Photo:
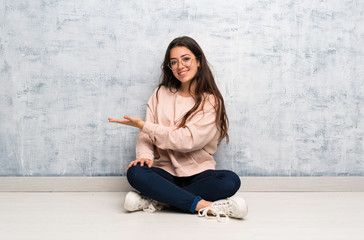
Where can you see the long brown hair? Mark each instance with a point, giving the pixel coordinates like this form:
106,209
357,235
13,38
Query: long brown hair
205,84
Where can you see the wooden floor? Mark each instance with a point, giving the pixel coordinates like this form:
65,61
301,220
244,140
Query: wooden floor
99,215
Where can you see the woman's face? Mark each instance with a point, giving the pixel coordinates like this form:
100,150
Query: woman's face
183,64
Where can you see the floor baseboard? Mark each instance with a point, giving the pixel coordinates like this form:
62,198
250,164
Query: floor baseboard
120,184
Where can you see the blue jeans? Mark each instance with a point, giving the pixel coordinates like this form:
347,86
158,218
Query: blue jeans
183,192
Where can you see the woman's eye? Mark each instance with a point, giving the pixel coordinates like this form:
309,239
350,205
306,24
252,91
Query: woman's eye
173,63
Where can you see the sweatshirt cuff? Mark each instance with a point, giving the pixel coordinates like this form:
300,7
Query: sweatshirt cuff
149,129
145,155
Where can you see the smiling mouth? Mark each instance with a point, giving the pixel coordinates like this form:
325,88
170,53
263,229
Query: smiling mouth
183,73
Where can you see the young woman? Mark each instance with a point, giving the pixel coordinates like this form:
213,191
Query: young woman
185,121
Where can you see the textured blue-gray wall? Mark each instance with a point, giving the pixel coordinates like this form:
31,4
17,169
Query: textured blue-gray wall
291,72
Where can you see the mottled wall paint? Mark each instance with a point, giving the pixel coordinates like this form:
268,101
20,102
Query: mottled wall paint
292,73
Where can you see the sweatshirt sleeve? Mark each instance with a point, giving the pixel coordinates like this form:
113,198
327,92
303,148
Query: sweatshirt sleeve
197,133
144,145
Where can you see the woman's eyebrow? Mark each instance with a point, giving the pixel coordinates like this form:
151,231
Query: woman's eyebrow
182,56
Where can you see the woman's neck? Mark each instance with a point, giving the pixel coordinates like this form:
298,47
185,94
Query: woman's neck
184,90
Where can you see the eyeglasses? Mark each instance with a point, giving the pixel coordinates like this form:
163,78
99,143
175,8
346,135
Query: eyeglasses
185,61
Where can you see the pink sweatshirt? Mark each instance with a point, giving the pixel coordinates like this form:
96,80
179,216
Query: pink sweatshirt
185,151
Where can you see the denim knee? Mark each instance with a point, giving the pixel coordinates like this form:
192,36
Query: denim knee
233,183
136,175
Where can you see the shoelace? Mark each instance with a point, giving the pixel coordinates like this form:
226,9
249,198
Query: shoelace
152,207
216,213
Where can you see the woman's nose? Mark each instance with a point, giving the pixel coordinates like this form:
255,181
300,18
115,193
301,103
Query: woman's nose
180,65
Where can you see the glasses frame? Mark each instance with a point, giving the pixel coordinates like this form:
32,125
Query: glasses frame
169,66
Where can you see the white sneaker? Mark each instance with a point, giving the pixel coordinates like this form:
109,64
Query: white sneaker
234,207
135,202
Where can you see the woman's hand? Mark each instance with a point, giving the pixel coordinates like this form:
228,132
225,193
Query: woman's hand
142,161
131,121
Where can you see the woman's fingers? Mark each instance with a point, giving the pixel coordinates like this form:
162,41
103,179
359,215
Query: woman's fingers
122,121
129,165
137,122
150,163
141,161
131,121
129,118
132,163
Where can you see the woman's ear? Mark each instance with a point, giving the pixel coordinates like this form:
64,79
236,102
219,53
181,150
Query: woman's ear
199,60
